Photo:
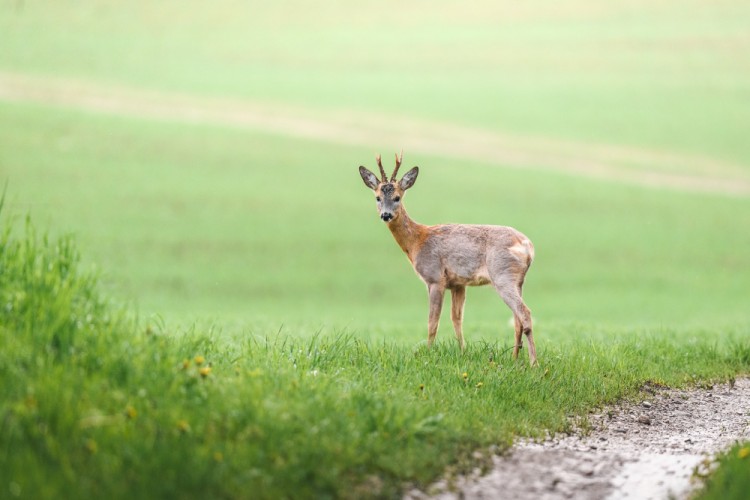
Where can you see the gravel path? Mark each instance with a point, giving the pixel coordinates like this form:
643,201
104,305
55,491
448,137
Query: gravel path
643,450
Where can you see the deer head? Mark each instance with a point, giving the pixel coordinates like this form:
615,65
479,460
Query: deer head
388,193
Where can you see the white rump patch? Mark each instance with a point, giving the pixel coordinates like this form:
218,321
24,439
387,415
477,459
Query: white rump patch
522,250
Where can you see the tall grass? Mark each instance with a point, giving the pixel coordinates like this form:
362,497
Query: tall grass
96,404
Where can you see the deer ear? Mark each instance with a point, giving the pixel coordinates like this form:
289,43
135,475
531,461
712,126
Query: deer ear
370,180
408,179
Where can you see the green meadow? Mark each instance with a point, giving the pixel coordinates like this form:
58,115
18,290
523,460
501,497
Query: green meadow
209,306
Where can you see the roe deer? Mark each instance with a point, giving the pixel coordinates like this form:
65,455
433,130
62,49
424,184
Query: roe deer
454,256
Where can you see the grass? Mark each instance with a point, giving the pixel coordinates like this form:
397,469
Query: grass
95,404
732,478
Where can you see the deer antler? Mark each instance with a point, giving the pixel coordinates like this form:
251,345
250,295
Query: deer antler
382,171
398,164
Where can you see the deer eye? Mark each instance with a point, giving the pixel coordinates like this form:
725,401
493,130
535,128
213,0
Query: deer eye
397,199
377,198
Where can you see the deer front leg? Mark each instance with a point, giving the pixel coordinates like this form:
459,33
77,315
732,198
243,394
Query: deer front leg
458,297
436,305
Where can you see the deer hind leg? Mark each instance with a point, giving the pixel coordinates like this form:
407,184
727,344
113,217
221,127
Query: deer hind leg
458,297
437,292
519,337
511,295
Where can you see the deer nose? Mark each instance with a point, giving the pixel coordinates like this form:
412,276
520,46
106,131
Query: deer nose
386,216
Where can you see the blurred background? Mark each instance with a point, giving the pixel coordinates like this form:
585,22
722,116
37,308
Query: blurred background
204,154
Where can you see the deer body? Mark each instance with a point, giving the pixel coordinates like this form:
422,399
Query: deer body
454,256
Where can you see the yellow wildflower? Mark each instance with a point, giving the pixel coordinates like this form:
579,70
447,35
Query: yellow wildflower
91,446
479,385
183,426
205,371
131,412
743,452
199,360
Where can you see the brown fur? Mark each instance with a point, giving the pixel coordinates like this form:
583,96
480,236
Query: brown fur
409,235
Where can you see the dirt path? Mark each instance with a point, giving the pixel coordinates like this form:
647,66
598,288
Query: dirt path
612,163
643,450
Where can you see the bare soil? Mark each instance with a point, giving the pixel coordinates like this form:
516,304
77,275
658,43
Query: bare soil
652,448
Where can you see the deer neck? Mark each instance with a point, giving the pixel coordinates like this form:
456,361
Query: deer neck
408,234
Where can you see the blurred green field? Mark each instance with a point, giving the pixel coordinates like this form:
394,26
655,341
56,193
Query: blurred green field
190,221
669,75
231,223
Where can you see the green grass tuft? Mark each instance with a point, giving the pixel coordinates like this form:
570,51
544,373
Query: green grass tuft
731,481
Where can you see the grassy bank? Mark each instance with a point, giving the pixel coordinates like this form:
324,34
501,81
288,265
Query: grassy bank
95,404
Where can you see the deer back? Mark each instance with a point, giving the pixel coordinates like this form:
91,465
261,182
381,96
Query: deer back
463,254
